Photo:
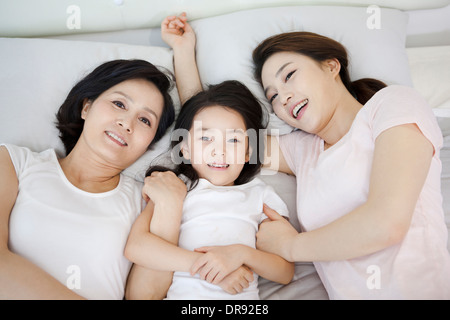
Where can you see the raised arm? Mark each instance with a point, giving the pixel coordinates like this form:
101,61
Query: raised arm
19,278
400,166
179,35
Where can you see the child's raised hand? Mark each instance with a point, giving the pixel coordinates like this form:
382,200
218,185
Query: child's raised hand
176,32
217,262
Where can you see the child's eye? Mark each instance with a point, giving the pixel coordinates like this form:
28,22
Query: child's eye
145,121
272,98
289,75
119,104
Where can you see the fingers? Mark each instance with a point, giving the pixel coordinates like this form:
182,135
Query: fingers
175,23
270,213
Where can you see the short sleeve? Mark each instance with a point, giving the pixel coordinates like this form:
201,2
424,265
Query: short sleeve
273,200
291,147
19,157
398,105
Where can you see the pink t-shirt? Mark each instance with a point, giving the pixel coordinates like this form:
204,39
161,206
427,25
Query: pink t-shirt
333,182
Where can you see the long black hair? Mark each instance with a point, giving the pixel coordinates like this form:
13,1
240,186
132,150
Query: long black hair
69,121
228,94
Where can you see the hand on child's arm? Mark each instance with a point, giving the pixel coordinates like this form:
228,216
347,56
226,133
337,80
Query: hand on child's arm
218,262
237,280
163,187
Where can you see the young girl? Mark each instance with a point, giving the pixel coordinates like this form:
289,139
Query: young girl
216,147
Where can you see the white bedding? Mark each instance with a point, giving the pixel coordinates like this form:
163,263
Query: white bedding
37,74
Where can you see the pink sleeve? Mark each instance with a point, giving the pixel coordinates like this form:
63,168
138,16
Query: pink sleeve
292,146
398,105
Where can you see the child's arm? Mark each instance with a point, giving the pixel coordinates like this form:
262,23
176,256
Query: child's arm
154,249
218,261
178,34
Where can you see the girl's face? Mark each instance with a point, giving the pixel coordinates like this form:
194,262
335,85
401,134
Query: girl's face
122,122
217,145
301,91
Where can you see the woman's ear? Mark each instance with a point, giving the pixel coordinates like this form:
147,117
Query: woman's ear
333,66
86,105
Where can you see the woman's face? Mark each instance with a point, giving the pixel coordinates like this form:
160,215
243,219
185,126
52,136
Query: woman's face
301,91
122,122
218,145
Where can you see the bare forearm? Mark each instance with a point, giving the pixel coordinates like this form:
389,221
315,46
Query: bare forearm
186,73
354,235
268,265
155,253
20,279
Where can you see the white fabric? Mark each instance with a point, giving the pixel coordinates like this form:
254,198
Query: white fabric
35,18
333,182
76,236
216,216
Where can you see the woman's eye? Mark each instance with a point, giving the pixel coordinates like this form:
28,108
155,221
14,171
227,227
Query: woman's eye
289,75
145,121
119,104
204,138
233,140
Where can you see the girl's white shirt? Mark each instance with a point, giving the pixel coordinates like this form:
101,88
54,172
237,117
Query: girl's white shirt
219,216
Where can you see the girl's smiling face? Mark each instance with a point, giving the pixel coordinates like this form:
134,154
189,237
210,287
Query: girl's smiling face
217,145
122,122
301,90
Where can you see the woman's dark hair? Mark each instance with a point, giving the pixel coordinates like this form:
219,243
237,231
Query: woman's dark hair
232,95
318,48
69,121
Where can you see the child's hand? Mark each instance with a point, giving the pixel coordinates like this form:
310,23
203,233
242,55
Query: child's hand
164,187
237,281
217,262
177,33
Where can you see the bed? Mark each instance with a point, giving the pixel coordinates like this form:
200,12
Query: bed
43,55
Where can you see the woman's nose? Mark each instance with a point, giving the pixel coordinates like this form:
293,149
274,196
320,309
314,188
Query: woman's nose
124,123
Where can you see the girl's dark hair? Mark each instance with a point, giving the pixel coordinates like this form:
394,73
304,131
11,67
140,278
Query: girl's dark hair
69,121
228,94
318,48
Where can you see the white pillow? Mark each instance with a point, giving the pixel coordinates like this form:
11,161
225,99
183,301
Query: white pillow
36,76
225,43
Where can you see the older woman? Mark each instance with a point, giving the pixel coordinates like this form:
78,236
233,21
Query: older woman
64,221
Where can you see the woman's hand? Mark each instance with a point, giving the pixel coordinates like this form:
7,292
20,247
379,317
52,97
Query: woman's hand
237,280
177,33
218,262
277,235
164,187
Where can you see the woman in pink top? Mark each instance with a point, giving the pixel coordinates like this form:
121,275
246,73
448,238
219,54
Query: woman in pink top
367,164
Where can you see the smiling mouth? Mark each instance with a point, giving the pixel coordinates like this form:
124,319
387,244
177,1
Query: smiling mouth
218,165
116,139
299,107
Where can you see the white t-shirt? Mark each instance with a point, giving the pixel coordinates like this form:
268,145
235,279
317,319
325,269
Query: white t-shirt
333,182
216,216
76,236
